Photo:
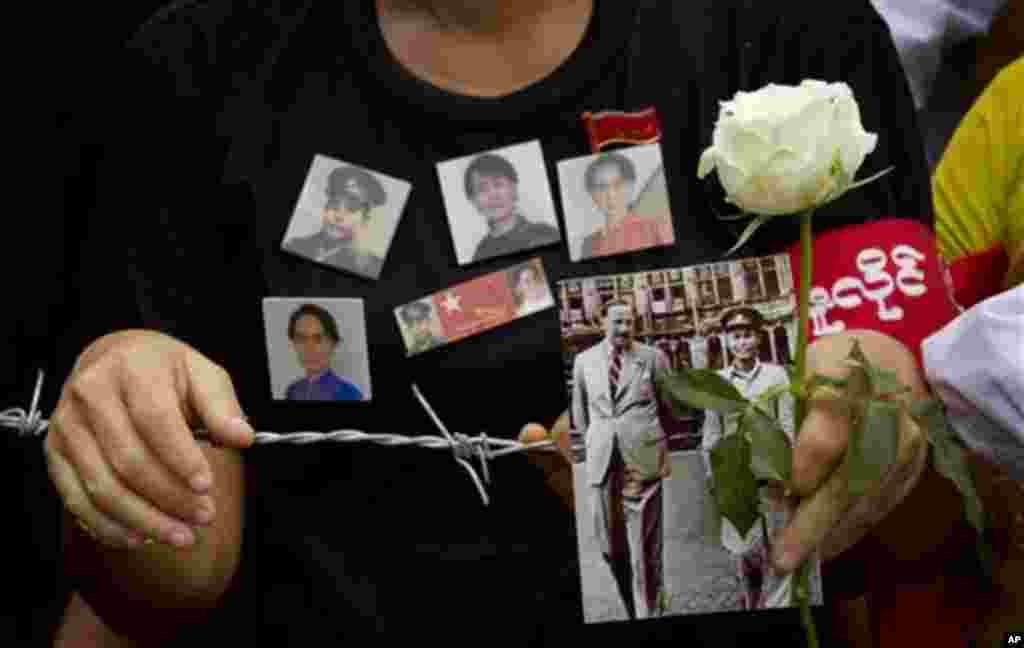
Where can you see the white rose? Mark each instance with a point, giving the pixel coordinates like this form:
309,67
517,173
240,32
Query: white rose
784,149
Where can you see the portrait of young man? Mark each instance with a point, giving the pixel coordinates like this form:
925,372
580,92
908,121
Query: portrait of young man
419,323
615,407
352,203
511,209
763,587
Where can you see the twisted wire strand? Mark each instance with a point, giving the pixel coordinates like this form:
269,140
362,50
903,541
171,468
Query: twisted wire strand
464,448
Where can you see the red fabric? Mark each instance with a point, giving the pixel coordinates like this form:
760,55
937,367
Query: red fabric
979,276
616,127
886,276
633,233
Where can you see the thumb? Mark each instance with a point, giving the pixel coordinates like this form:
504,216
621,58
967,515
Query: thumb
210,397
815,517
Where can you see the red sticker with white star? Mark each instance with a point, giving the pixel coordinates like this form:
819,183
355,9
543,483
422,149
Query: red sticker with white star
474,307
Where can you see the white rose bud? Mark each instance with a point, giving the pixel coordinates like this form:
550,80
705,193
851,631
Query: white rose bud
785,149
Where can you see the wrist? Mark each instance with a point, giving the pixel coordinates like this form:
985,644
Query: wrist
82,628
926,533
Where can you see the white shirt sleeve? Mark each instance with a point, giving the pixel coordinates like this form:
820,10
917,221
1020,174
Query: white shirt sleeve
975,364
923,30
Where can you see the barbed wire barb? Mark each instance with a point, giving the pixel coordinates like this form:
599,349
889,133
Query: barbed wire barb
27,423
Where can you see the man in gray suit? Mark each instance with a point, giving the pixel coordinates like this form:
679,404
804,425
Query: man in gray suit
615,406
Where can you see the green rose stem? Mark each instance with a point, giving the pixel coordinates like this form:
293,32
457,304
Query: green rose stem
800,591
806,254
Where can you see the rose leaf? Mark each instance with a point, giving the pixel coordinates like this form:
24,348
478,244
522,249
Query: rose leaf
735,485
700,389
872,446
771,455
752,227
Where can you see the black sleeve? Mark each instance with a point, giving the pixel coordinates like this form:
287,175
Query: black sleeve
162,249
136,144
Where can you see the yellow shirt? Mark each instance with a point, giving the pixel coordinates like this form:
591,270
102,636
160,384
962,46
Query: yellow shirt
978,186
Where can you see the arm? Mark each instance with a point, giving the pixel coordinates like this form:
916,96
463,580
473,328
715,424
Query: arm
81,628
170,587
558,467
120,460
984,388
120,450
976,189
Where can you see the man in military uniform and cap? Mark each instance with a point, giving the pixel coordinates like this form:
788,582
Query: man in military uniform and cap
352,193
751,377
416,317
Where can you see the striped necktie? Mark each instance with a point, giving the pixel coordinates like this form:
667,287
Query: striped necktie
614,372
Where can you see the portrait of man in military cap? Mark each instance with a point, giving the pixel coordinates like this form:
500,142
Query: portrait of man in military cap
419,327
356,215
752,377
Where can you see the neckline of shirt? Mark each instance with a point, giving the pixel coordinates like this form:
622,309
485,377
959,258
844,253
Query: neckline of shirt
603,40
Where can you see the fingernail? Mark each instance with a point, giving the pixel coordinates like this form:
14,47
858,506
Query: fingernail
241,427
201,483
180,537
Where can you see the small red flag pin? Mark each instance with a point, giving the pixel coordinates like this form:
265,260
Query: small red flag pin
617,127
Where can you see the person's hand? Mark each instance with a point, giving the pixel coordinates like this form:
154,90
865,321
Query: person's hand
557,466
827,519
536,433
120,448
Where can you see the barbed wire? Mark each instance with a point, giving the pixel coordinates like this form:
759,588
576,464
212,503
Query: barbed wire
30,423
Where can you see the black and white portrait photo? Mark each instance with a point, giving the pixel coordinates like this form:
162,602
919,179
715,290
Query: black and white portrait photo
420,326
615,202
498,202
317,349
346,217
651,540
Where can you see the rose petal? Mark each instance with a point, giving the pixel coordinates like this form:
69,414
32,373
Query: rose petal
746,149
707,162
731,176
784,148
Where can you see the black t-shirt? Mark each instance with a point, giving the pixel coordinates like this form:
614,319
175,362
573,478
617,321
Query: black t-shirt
212,131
